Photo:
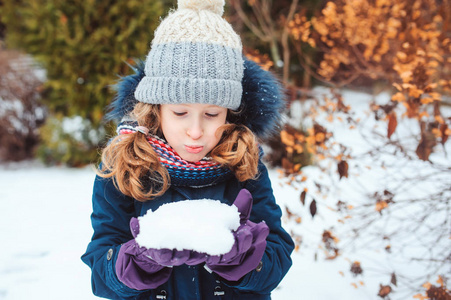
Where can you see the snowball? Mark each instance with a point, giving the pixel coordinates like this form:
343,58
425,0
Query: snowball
201,225
216,6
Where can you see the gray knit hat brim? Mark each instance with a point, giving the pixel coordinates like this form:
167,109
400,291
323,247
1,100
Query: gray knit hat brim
192,72
173,90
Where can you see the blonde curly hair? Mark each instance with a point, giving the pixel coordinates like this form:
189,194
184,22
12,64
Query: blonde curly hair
129,158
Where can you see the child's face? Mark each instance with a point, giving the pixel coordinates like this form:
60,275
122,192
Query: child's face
192,129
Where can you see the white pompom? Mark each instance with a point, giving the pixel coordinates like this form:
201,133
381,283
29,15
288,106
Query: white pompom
216,6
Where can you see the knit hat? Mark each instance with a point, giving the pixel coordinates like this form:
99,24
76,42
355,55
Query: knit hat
195,57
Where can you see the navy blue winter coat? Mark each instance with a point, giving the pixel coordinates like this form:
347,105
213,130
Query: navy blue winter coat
112,212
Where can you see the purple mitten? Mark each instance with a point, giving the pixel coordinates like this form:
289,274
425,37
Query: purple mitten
135,269
172,257
138,272
249,246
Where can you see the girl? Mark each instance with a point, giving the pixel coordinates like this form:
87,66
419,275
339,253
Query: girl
191,118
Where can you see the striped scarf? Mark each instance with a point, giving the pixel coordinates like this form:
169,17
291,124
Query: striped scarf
183,173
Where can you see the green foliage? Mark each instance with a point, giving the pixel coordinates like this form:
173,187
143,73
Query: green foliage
84,46
71,141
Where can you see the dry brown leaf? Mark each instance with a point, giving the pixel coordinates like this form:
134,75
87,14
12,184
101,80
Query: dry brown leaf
420,297
425,148
392,124
393,279
303,194
356,269
384,291
313,208
289,213
343,169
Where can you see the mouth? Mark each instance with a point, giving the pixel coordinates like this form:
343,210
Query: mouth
194,149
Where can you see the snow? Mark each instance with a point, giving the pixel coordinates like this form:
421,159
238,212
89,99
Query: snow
77,128
45,228
203,225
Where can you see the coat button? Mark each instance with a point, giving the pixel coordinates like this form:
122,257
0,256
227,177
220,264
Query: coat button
218,291
259,267
109,255
162,295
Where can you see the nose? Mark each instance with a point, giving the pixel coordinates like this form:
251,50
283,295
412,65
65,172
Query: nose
195,130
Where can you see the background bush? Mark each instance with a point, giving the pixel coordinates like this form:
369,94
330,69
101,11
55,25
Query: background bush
83,46
21,111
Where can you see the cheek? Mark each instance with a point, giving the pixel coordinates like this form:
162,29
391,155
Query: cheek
216,133
170,133
167,128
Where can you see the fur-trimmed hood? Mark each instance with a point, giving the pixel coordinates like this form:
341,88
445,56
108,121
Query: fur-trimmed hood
262,101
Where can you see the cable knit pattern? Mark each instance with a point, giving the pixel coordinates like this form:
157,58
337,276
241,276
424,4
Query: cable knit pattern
196,26
216,6
196,57
204,73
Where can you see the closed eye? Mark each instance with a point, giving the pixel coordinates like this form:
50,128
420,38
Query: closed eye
211,115
179,114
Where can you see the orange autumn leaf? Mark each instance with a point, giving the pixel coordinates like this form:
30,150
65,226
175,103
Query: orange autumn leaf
423,114
380,205
398,97
397,86
426,100
392,124
415,93
435,96
287,138
384,291
436,132
427,285
298,148
440,280
319,137
439,119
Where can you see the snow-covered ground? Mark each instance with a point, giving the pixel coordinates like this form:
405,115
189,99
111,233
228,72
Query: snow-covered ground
45,227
